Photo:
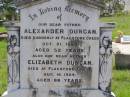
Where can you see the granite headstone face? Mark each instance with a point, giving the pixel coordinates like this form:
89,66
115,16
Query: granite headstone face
64,50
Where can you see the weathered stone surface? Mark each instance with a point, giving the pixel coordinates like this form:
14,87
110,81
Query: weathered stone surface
13,49
122,55
119,48
61,93
105,62
66,54
64,51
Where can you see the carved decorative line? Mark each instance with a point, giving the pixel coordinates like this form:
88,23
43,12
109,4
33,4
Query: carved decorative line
13,53
105,54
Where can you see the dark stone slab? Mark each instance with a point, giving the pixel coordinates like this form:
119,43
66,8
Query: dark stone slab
122,61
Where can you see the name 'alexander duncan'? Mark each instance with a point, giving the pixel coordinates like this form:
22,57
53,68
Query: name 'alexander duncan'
60,31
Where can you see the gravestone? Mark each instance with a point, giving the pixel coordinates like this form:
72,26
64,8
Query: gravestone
122,53
125,39
62,50
122,61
